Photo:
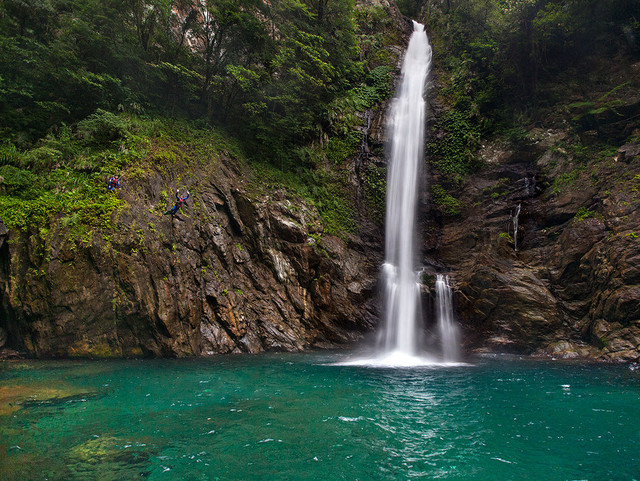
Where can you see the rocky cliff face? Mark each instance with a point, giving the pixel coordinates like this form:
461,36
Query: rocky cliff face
237,270
572,287
560,155
242,269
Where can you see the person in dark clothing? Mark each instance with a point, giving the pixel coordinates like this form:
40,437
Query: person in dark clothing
114,183
179,203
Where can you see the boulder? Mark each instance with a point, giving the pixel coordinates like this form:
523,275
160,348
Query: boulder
627,152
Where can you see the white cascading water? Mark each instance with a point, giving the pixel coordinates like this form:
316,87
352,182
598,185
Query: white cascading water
516,220
406,127
399,341
447,327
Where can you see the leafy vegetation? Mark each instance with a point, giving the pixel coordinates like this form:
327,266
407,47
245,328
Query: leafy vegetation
504,66
506,235
83,80
501,50
64,176
445,201
454,154
584,213
375,189
268,70
90,88
323,189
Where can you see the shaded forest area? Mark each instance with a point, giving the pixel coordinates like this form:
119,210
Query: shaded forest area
268,70
287,79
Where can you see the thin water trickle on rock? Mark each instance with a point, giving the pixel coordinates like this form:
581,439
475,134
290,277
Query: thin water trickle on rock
516,220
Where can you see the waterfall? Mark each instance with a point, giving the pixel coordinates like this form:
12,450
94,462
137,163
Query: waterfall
400,337
402,329
515,220
447,328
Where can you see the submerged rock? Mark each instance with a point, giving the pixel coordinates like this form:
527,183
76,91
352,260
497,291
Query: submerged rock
14,397
111,458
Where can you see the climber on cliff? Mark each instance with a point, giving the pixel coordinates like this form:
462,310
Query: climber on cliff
179,202
113,183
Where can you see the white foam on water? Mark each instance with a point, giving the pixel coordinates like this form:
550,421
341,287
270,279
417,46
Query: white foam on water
398,359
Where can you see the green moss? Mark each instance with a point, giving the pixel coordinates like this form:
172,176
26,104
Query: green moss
326,190
340,149
564,181
499,189
584,213
375,190
505,235
453,155
103,127
428,279
445,201
375,32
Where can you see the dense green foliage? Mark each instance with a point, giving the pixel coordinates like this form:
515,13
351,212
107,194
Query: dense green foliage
504,67
446,202
499,51
84,85
65,175
59,186
288,78
268,70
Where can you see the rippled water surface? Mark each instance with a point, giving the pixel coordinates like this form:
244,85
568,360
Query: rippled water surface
300,417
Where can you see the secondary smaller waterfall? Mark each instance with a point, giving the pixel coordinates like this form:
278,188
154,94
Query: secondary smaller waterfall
529,186
447,328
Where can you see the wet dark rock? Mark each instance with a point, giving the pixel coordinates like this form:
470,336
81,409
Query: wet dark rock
3,233
573,287
627,152
6,354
